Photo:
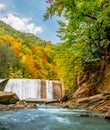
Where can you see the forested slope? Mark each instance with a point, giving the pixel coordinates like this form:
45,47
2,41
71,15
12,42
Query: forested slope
25,55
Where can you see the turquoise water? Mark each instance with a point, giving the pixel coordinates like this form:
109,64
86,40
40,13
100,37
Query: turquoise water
50,118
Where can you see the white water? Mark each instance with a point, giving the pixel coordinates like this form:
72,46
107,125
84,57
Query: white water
51,118
49,89
29,88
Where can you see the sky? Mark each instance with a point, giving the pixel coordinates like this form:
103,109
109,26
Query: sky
27,16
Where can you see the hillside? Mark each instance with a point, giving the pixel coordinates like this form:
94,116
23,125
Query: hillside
24,55
28,37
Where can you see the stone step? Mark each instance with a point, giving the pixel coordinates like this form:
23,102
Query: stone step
34,100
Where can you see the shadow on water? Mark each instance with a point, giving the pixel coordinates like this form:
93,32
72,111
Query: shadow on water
51,118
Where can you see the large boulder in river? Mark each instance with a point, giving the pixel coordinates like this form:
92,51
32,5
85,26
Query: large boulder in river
8,98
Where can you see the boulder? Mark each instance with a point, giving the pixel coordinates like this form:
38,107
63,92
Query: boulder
8,97
24,105
17,105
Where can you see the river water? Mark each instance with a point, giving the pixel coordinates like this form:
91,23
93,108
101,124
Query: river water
51,118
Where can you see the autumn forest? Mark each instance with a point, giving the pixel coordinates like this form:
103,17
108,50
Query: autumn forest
25,55
85,39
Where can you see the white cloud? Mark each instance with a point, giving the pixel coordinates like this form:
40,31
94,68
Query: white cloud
2,7
22,24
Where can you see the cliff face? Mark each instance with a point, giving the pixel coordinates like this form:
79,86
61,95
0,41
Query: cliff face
94,79
104,86
93,91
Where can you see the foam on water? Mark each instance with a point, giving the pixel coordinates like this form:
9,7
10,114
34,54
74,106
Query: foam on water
50,118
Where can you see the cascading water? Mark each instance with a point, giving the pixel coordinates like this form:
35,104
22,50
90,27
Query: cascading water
29,88
49,89
24,88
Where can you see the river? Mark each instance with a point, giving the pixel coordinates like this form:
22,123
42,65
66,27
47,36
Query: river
51,118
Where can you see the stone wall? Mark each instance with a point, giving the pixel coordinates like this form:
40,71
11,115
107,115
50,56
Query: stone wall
43,89
57,89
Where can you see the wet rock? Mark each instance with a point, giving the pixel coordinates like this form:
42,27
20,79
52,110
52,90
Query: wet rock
84,115
18,105
64,98
107,114
24,105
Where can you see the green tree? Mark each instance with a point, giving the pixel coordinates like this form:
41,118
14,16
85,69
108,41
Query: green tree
85,34
7,59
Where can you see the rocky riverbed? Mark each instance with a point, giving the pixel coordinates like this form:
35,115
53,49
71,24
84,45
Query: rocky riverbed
17,105
99,103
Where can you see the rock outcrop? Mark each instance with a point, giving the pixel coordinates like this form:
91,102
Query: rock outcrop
3,83
8,98
95,79
99,102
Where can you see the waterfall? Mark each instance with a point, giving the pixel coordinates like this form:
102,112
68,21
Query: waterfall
30,88
49,89
24,88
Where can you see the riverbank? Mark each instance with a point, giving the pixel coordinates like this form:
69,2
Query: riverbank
10,101
99,103
103,113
